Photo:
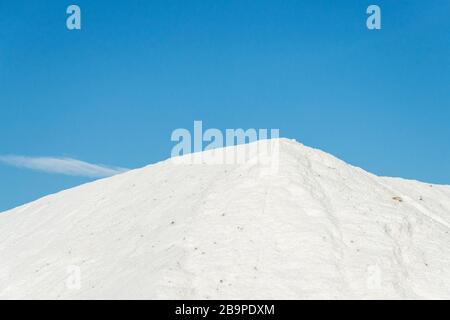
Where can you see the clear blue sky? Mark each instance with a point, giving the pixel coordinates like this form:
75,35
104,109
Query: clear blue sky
113,92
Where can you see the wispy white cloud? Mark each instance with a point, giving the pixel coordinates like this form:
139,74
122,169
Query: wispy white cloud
66,166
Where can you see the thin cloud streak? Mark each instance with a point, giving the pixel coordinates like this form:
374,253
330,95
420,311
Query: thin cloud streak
66,166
